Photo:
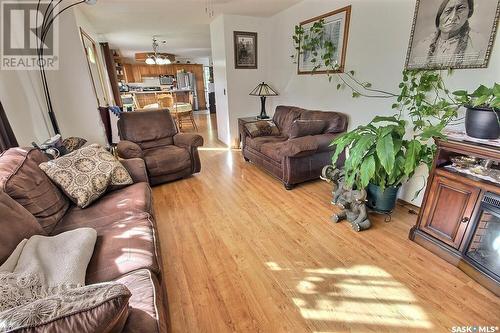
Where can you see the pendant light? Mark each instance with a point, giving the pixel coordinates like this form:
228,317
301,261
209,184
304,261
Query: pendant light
155,58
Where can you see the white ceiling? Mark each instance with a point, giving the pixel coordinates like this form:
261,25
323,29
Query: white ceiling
130,24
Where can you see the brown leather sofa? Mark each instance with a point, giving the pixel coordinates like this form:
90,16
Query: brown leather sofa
127,248
298,159
153,137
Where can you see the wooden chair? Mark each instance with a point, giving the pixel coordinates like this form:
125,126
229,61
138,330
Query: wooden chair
181,112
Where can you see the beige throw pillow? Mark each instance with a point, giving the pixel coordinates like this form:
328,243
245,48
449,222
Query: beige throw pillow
85,174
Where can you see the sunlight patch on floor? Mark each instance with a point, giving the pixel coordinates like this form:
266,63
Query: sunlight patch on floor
359,295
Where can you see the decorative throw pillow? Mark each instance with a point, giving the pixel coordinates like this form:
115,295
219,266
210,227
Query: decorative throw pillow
301,128
73,143
262,128
85,174
95,308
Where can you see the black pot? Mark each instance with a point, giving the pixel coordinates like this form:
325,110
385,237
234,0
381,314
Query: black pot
381,201
482,123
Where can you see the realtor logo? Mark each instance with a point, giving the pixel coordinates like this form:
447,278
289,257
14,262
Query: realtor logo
26,41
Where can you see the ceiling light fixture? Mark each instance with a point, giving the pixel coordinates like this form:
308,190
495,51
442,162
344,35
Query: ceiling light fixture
155,58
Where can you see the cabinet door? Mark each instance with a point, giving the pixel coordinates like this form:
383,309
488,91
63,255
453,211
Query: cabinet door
448,210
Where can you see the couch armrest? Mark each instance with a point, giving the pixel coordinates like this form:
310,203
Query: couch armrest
128,149
137,169
188,140
301,146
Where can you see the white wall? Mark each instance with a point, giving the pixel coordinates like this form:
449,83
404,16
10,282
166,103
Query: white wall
218,41
71,90
239,82
377,45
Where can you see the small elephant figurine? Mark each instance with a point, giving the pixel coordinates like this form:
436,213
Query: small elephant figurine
352,203
336,176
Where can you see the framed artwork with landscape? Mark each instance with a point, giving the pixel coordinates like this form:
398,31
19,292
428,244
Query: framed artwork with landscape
336,27
452,34
245,50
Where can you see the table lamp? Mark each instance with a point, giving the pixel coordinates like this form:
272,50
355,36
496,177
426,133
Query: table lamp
263,90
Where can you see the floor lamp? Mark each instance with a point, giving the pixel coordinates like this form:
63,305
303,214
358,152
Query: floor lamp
41,31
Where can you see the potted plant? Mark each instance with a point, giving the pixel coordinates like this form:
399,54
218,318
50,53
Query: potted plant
385,153
483,111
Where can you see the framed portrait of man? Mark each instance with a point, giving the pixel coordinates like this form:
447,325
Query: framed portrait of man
245,49
452,34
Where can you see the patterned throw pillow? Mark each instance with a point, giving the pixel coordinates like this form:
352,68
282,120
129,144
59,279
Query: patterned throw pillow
85,174
73,143
262,128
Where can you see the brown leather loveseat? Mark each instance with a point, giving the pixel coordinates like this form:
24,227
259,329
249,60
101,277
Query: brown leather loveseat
153,137
296,156
126,250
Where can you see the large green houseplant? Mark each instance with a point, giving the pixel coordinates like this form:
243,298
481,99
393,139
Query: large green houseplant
386,152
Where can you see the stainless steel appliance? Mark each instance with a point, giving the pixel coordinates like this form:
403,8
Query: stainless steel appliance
167,79
187,81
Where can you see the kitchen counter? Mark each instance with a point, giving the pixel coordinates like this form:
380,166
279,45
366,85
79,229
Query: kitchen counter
143,98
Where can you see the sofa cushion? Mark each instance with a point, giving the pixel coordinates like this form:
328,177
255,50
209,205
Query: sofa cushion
100,308
25,182
335,122
126,238
284,116
85,174
167,159
306,127
147,308
256,143
16,224
262,128
153,128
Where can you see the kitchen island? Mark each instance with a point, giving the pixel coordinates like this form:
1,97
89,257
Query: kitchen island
145,98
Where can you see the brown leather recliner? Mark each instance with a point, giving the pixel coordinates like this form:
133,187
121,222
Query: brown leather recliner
154,137
295,158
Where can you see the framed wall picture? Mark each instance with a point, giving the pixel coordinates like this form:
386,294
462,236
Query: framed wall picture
452,34
245,50
94,64
336,25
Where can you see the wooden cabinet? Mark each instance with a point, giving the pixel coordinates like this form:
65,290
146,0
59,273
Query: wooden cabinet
449,210
449,222
137,72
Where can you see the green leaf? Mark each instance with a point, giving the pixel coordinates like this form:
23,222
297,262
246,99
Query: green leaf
338,86
355,94
385,152
496,90
481,91
367,170
358,150
379,119
412,154
460,93
481,100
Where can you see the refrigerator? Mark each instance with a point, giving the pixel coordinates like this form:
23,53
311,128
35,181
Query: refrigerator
187,81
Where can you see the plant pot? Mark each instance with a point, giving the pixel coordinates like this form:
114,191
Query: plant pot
482,123
381,201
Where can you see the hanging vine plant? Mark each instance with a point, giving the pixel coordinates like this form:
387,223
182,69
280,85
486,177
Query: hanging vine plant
388,150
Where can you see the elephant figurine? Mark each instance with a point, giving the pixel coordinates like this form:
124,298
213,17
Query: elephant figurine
351,202
336,176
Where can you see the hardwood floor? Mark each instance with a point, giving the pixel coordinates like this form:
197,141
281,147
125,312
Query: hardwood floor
242,254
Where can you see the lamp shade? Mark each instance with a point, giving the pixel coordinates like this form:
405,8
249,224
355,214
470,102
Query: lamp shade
263,90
